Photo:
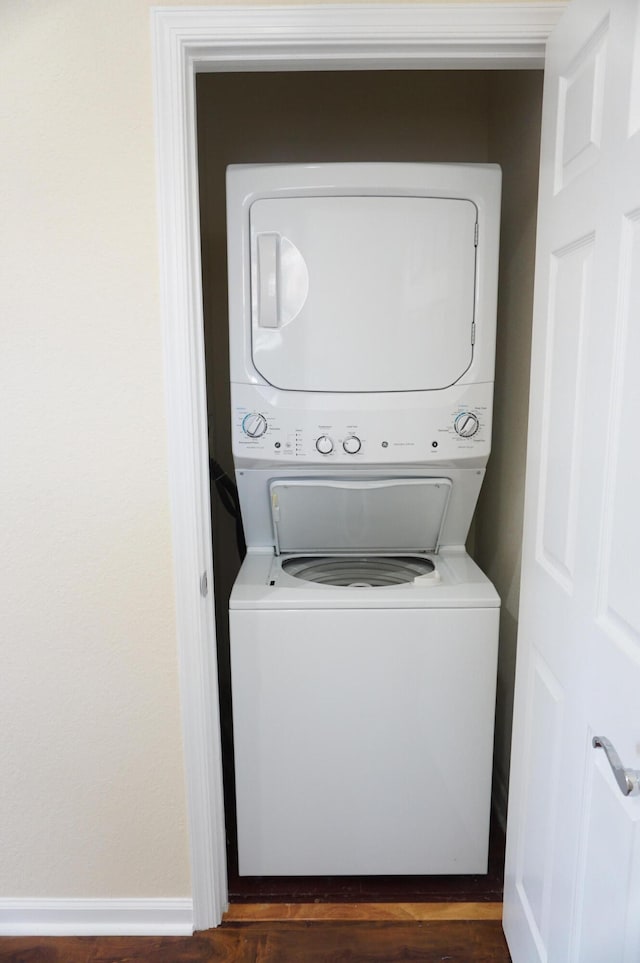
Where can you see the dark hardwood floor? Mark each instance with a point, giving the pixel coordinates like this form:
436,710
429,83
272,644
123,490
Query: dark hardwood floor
466,941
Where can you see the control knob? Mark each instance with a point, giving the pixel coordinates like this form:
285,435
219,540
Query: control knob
352,445
466,424
254,425
324,444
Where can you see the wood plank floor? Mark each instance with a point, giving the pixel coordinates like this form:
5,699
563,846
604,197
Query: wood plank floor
467,941
361,912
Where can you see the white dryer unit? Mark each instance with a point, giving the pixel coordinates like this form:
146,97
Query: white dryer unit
363,638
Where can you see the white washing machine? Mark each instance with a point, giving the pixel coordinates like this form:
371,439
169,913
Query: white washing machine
363,638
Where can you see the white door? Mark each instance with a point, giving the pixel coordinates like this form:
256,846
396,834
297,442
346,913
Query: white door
572,889
363,293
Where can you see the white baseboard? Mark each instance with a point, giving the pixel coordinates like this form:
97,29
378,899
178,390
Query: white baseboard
96,917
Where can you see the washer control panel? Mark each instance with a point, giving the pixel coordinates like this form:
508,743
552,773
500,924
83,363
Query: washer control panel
449,432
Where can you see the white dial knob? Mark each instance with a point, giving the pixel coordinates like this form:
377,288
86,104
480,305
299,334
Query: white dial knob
352,445
466,424
324,444
254,425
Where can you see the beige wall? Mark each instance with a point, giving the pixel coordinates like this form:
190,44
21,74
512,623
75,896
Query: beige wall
92,800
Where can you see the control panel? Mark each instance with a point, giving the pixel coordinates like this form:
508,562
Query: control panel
451,432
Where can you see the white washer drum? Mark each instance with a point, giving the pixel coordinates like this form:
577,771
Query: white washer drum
361,571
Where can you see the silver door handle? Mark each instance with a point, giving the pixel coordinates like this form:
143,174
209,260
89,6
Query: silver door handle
628,779
268,258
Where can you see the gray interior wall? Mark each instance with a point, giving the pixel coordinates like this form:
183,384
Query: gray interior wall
381,116
514,142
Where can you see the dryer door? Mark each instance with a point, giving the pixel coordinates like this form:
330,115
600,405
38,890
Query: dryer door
362,294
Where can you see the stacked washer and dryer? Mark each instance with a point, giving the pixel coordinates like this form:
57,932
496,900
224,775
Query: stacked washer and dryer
362,307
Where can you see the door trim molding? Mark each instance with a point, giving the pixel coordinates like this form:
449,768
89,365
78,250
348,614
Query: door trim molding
313,37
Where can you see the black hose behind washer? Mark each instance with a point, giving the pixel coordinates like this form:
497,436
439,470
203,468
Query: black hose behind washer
228,495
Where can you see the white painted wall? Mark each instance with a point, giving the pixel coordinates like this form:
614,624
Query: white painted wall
92,800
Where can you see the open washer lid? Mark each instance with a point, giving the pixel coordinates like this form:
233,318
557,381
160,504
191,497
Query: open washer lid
385,515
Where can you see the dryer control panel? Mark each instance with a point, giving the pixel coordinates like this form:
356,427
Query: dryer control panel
452,427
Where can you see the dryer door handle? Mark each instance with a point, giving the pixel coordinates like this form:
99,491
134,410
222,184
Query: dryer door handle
268,313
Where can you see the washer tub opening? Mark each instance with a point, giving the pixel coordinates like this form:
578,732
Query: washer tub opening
364,571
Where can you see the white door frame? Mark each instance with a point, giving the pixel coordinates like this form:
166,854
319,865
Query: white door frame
313,37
